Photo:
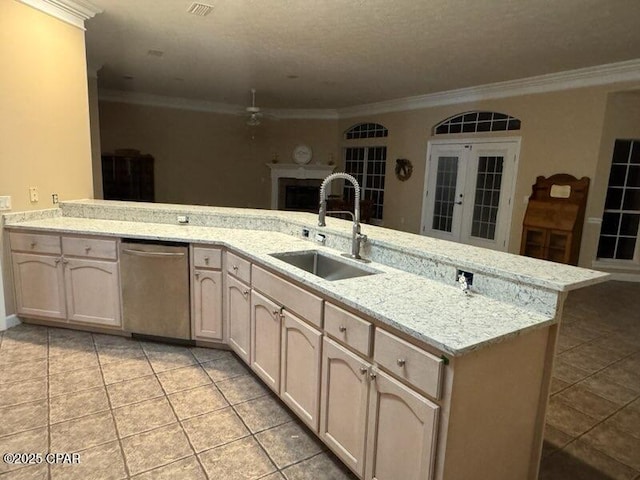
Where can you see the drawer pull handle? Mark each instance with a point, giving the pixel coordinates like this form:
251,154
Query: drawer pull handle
363,370
206,260
401,362
197,274
372,376
87,249
57,261
276,312
65,261
33,244
245,293
342,328
235,268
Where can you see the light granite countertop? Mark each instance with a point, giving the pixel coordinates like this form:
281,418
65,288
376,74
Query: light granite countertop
413,292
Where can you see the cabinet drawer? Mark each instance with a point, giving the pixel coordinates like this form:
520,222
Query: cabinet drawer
36,243
419,368
294,298
207,258
89,247
348,328
239,267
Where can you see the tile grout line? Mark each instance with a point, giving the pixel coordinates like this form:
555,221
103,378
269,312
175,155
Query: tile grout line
115,424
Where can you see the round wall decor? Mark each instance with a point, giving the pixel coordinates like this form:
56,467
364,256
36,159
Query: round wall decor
302,154
404,169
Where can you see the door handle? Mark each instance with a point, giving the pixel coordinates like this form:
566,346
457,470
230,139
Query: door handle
142,253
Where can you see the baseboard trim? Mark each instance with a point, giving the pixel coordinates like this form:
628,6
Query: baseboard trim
8,322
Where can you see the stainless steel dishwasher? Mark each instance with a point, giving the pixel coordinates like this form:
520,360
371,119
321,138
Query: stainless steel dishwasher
155,288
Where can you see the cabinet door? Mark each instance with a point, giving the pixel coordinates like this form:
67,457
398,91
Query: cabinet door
92,291
300,373
265,340
238,308
207,304
343,404
401,432
39,285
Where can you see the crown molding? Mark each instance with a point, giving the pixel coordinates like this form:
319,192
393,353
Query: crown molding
583,77
73,12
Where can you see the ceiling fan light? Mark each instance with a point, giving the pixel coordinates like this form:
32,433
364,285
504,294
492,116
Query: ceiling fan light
253,120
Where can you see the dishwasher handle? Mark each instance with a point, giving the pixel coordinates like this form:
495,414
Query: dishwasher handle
142,253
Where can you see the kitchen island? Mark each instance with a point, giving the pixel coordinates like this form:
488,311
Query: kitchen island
473,369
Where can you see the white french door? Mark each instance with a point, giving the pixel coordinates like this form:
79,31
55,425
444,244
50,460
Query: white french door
469,189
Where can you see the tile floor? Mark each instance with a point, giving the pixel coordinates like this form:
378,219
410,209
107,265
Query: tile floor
593,419
145,411
150,411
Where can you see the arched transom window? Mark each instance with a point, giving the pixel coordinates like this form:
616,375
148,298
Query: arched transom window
366,130
476,122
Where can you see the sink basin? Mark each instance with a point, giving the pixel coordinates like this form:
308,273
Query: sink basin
324,266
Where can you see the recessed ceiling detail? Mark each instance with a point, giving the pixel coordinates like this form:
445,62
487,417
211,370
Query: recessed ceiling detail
155,53
200,9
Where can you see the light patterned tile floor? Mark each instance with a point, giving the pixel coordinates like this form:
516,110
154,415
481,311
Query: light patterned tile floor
150,411
146,411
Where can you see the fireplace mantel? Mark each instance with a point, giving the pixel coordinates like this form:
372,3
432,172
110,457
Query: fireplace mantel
293,170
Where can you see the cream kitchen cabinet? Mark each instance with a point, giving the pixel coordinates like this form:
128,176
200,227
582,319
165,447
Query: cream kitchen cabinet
266,321
300,368
73,279
401,431
206,293
238,313
39,285
343,404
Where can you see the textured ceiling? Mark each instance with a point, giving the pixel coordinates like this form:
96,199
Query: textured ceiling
337,53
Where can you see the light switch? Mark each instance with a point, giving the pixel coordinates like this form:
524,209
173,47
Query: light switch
5,202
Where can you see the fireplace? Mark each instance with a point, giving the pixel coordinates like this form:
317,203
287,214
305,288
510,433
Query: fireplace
297,187
298,194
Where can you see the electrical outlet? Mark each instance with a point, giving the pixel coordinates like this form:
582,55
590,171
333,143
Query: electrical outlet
33,194
467,275
183,219
5,202
54,198
305,232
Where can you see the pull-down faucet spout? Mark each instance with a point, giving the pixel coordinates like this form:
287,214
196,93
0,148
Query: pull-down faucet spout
356,237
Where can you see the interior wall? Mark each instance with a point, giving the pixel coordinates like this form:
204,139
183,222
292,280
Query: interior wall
44,116
621,121
561,133
207,158
94,124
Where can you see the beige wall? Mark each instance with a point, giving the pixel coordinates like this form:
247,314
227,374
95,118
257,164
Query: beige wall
44,117
211,159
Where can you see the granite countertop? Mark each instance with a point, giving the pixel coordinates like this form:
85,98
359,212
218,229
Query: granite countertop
435,313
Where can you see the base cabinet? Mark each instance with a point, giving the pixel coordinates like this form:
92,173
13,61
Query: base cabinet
92,291
401,433
39,285
238,309
343,404
207,304
266,321
300,369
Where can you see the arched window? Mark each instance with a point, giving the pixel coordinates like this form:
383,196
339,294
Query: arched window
368,165
476,122
366,130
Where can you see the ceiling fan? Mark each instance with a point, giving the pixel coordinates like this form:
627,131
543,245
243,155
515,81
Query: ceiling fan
254,112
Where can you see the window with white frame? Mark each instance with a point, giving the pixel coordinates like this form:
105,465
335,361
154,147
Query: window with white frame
368,165
619,231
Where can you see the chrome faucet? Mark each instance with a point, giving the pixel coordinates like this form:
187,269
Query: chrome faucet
357,238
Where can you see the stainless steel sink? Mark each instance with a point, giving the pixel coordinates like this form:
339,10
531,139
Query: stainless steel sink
324,266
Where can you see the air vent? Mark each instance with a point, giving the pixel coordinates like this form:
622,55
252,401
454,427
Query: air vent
200,9
155,53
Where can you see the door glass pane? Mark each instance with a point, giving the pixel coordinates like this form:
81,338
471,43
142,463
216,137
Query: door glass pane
446,179
487,198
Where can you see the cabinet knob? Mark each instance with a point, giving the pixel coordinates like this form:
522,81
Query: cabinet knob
372,375
206,260
401,362
276,312
87,249
363,370
65,261
245,293
235,268
196,274
33,244
342,328
57,261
